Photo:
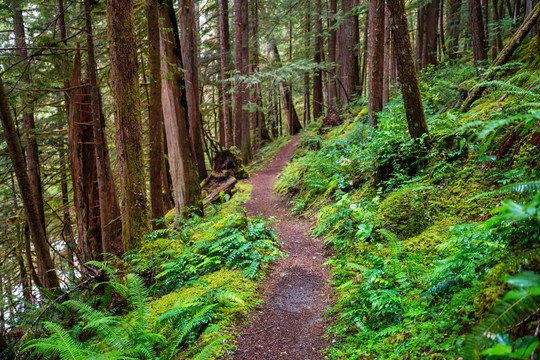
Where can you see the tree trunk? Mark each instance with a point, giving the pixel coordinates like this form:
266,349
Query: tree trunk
82,152
155,113
26,282
477,30
426,34
363,87
190,60
503,57
111,226
407,74
307,43
376,59
332,44
125,92
259,123
184,177
291,116
386,57
225,49
318,97
29,127
347,56
453,26
241,59
29,198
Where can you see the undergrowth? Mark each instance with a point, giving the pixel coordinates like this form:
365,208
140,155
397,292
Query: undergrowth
422,260
178,296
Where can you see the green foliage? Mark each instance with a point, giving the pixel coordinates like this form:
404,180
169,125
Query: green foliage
516,307
419,250
135,335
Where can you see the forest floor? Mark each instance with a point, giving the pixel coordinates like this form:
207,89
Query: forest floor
289,323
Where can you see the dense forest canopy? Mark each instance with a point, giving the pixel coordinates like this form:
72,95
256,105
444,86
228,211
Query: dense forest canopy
130,126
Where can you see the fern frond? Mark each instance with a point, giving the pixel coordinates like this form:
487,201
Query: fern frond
180,336
229,296
108,327
505,315
396,248
529,187
138,295
60,343
208,350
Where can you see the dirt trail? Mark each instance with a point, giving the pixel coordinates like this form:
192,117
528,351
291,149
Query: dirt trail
289,324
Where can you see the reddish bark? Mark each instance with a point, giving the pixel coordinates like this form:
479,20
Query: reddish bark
125,92
291,116
184,177
155,114
81,147
31,146
347,56
376,59
190,61
241,58
28,197
111,226
332,44
318,97
225,48
476,24
414,111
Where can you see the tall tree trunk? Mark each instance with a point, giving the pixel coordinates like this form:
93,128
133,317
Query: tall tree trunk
125,91
453,26
332,45
363,73
184,177
477,30
307,43
259,122
347,55
111,226
29,127
407,73
318,97
386,57
155,113
291,116
83,167
190,60
29,198
376,59
241,96
426,34
225,49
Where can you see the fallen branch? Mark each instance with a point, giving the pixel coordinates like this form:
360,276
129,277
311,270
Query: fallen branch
260,331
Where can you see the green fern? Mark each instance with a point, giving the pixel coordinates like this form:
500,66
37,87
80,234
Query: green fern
209,349
59,343
529,187
515,308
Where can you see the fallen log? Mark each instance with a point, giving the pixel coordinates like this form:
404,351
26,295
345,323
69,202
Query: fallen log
503,57
225,187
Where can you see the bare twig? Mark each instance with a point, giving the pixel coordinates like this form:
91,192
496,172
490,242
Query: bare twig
260,331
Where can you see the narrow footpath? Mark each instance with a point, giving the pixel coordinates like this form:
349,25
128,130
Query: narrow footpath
289,323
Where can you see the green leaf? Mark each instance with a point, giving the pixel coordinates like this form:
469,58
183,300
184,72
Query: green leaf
524,279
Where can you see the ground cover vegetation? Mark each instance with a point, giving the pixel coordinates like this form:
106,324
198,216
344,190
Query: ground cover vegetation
129,128
436,249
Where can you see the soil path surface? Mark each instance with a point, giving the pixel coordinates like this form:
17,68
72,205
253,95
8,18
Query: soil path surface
289,323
